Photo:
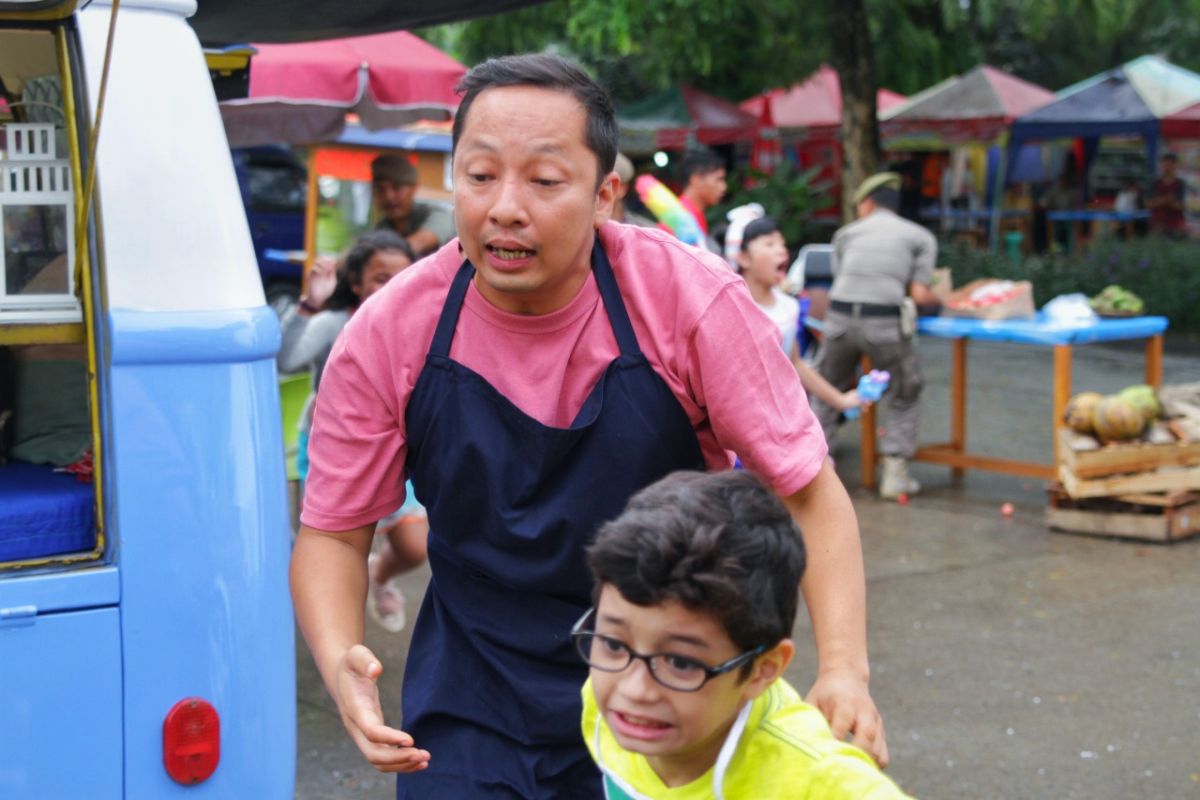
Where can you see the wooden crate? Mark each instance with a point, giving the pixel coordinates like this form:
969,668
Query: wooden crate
1155,517
1119,459
1167,479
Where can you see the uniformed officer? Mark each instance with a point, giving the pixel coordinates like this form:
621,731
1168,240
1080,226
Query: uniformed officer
883,266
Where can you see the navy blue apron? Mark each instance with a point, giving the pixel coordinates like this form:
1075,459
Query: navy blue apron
491,686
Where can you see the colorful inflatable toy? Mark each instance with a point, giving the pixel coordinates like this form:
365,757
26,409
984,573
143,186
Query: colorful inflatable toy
665,206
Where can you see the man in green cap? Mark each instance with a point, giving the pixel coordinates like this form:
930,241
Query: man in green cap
427,226
882,268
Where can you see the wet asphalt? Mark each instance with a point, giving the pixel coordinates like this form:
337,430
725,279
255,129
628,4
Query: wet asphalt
1008,661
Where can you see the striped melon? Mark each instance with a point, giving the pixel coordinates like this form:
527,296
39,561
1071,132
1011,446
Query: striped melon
1080,409
1117,420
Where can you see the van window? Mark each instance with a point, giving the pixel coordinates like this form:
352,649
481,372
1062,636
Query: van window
48,496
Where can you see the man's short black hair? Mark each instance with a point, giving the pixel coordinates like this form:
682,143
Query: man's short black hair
548,72
886,197
717,542
699,161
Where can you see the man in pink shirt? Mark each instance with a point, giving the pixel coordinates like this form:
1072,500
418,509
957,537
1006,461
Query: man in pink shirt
529,378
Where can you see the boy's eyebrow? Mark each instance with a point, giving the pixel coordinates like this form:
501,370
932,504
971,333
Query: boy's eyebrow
611,619
684,639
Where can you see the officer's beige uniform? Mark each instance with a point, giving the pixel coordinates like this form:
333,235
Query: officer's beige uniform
875,259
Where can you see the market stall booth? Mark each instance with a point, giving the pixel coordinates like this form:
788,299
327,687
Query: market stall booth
954,132
1132,101
807,120
682,117
302,93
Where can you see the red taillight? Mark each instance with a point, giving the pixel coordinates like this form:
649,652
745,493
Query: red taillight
191,741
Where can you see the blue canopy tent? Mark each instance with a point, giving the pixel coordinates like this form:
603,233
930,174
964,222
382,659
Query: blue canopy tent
1130,100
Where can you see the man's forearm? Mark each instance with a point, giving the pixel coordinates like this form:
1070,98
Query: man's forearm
329,590
834,583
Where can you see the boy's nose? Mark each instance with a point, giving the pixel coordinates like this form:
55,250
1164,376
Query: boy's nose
637,682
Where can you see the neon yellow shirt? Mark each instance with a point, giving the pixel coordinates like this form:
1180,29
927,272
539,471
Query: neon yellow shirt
779,747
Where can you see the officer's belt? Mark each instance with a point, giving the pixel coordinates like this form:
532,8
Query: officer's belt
864,309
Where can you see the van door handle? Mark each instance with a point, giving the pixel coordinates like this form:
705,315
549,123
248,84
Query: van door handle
18,616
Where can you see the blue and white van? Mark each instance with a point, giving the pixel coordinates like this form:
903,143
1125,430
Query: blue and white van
146,633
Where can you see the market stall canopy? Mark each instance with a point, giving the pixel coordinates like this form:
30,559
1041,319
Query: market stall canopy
1129,100
1183,124
301,93
814,105
682,117
221,22
977,106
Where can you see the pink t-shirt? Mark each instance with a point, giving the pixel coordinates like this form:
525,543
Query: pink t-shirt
695,322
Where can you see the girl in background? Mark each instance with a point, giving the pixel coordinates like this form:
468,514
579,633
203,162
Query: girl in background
762,260
309,331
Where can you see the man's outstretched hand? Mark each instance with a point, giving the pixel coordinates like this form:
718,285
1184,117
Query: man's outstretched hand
846,702
387,749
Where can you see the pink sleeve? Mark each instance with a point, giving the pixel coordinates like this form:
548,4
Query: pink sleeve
757,408
357,446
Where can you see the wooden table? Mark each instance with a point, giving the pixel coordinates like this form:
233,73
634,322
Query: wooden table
1040,332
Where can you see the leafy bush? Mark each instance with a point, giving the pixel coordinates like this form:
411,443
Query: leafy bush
791,197
1164,273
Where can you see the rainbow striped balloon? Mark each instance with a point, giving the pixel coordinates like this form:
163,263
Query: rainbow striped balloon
666,207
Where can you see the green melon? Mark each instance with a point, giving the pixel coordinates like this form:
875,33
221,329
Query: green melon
1080,409
1144,397
1118,420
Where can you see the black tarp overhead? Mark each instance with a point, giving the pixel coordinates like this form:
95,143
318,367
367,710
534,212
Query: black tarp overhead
222,22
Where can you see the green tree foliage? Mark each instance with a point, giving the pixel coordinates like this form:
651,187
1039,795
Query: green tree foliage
735,50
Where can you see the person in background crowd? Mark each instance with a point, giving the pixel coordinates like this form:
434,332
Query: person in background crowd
704,184
882,265
309,331
1165,200
427,226
762,261
621,211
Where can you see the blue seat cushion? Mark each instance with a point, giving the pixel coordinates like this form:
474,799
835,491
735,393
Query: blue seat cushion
43,512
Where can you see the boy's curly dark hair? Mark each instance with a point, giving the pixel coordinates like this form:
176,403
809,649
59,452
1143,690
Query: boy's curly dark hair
717,542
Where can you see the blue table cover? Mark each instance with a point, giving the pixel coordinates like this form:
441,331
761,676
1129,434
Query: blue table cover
1042,331
43,512
1081,215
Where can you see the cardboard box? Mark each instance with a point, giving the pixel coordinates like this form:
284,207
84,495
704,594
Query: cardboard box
942,284
1017,306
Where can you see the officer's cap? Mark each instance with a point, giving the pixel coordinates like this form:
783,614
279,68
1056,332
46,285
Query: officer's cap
880,180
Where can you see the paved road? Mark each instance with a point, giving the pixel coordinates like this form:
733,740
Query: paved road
1009,662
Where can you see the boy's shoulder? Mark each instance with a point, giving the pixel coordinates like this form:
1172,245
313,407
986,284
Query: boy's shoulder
784,750
789,751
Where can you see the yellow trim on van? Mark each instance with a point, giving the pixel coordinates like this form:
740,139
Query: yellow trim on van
83,270
62,333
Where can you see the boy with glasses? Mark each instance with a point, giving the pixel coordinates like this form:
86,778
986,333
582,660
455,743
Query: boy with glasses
687,645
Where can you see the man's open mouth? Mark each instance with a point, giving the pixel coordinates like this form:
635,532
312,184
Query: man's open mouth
508,254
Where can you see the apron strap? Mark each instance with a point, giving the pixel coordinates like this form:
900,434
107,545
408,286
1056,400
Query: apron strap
444,334
618,317
606,282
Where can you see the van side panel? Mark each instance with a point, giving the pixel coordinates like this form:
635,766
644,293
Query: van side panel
60,706
199,516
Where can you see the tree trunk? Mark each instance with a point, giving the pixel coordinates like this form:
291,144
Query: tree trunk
855,65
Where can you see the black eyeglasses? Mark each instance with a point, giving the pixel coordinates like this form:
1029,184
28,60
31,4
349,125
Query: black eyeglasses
681,673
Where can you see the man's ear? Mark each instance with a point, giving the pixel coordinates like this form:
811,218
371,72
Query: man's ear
606,198
769,667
